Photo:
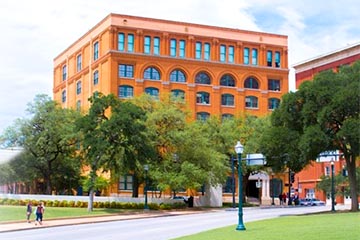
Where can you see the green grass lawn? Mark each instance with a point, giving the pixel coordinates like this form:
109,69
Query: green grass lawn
18,213
327,226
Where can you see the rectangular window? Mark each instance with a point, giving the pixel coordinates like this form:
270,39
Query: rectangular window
246,56
254,56
222,53
182,48
126,71
207,51
274,85
130,44
156,45
78,63
78,87
96,51
277,59
198,48
64,73
231,54
147,45
121,41
173,47
327,171
126,182
269,58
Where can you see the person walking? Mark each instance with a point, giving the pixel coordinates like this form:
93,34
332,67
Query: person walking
281,199
284,198
39,213
28,211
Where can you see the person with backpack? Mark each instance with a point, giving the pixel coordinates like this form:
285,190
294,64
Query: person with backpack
39,213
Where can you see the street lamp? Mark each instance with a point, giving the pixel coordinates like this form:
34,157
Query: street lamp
233,182
239,150
332,187
273,189
146,168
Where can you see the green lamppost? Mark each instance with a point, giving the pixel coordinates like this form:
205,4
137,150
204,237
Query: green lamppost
332,187
146,168
239,150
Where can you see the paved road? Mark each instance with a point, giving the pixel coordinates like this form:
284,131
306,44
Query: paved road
157,228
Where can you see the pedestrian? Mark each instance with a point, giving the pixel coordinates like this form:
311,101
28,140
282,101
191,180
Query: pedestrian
39,213
28,211
284,198
281,199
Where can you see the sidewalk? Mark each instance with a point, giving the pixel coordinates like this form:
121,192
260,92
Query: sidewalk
23,225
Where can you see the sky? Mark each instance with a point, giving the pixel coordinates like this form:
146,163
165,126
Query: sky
34,32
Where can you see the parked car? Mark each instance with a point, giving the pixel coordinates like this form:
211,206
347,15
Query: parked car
315,202
304,202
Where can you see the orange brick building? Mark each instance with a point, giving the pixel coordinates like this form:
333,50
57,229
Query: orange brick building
216,70
307,179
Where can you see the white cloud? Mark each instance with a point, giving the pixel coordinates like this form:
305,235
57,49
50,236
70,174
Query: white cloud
35,32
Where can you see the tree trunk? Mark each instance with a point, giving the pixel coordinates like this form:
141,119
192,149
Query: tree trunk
350,162
91,190
135,192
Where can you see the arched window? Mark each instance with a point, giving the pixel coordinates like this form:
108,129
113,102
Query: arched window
96,77
227,80
203,98
251,82
226,116
251,102
227,100
177,76
151,73
202,116
177,93
63,96
78,105
126,91
202,78
273,103
154,92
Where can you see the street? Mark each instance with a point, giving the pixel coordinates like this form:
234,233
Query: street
158,228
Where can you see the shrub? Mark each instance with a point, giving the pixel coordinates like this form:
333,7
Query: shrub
71,204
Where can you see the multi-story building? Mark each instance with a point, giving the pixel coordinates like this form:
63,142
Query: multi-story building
216,70
307,179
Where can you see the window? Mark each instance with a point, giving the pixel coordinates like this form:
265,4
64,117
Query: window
63,96
273,85
96,77
147,45
121,41
126,182
156,45
254,56
277,59
130,47
178,94
228,186
273,103
154,92
126,71
252,83
173,47
126,91
182,48
246,56
227,80
207,51
177,76
96,51
198,48
231,54
251,102
202,78
78,105
269,58
202,116
222,53
227,100
203,98
78,63
226,116
151,73
64,72
78,87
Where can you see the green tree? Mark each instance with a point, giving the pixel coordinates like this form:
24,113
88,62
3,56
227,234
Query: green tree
323,115
113,138
48,139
